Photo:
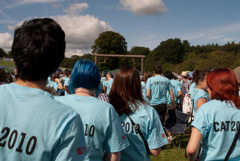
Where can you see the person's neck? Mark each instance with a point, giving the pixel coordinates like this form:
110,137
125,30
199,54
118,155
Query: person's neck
156,74
83,92
200,87
41,84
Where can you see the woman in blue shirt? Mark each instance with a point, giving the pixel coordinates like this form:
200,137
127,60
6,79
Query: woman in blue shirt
102,127
199,96
127,99
217,121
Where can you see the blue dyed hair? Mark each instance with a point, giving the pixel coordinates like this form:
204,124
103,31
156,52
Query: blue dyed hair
85,74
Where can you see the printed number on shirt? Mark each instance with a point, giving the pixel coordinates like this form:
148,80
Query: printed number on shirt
89,130
128,127
9,139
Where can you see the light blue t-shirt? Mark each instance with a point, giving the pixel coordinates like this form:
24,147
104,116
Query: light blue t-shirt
217,122
34,126
67,84
192,87
143,85
159,86
148,120
54,85
195,96
176,88
108,84
102,126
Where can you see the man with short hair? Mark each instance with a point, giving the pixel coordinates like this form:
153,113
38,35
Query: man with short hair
33,125
157,87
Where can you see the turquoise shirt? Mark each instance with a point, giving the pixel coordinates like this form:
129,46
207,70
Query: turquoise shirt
196,95
218,121
148,120
143,85
158,86
67,84
34,126
103,132
192,87
108,84
176,88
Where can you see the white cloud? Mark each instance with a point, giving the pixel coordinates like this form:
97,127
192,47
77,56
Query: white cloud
6,40
144,7
81,31
76,8
222,34
70,52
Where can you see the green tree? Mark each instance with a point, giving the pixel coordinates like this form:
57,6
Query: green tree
3,53
109,42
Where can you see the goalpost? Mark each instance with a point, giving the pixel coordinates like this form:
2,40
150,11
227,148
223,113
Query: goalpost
121,56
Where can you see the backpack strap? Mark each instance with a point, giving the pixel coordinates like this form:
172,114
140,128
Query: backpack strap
232,146
137,128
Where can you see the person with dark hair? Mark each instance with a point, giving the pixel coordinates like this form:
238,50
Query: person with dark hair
108,83
3,76
157,88
127,99
33,124
176,88
143,85
103,131
200,94
217,121
66,79
144,81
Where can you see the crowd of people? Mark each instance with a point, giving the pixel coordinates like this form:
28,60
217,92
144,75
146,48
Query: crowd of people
49,114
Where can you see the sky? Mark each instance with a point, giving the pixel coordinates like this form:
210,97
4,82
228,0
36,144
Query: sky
144,23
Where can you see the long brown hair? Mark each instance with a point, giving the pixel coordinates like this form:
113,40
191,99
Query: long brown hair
126,90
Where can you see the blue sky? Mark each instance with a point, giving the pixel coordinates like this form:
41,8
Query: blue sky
142,22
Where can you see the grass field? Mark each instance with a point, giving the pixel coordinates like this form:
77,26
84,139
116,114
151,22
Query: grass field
7,64
170,153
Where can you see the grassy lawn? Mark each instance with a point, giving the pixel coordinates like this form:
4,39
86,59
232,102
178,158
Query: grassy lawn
7,64
170,153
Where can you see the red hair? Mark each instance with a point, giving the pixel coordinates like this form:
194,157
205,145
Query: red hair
224,85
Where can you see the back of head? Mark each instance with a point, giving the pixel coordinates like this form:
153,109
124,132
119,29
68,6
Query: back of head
38,49
199,75
146,76
126,89
223,85
3,75
168,75
85,74
157,69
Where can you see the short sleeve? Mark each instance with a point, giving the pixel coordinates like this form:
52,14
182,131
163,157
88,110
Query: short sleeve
72,144
116,138
156,136
67,82
169,85
200,121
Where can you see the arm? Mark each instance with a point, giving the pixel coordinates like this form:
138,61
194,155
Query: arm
148,93
155,152
172,98
179,93
194,144
66,89
113,156
59,83
200,102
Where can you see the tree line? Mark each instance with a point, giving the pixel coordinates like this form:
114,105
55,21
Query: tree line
175,54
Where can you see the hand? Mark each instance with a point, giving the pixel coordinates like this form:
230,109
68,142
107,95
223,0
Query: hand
174,106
